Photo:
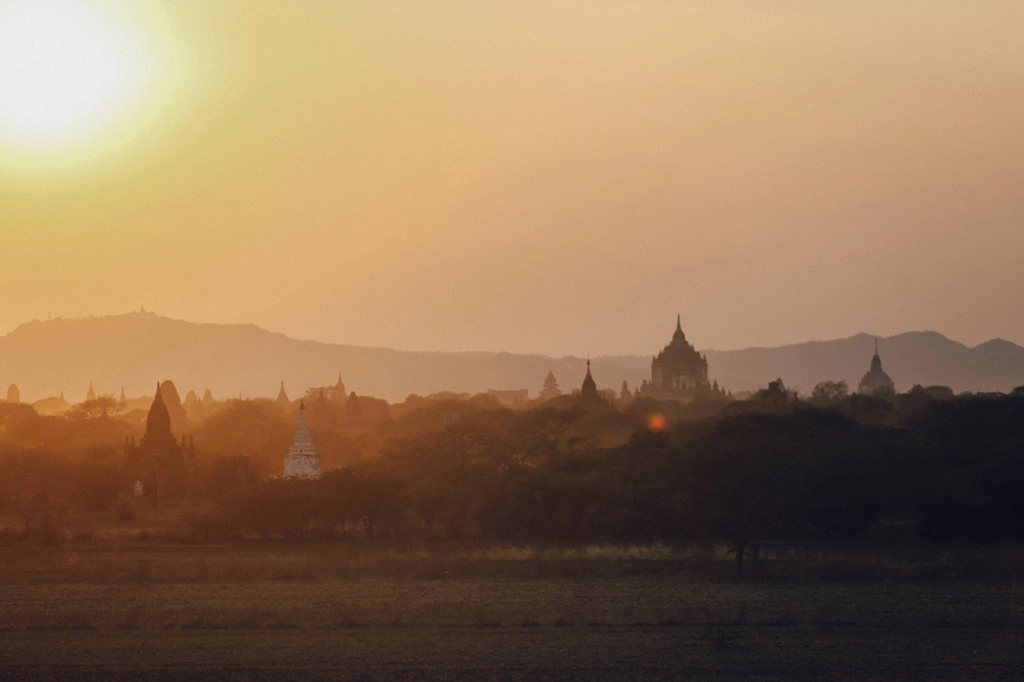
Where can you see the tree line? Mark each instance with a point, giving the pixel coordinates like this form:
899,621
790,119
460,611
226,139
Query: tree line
950,470
921,465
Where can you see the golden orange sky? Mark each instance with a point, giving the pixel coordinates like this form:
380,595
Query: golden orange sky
547,177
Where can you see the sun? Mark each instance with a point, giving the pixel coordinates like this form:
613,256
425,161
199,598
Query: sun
68,72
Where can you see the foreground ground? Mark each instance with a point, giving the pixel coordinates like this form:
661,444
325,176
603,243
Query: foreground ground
272,611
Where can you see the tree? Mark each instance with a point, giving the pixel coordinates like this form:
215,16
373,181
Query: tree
103,406
755,477
829,392
550,388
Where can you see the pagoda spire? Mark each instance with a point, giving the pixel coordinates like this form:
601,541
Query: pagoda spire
876,359
678,335
588,391
158,421
338,393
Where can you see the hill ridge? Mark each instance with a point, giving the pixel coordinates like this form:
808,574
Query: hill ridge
45,357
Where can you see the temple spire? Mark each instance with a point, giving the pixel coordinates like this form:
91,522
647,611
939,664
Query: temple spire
338,393
876,359
678,335
588,391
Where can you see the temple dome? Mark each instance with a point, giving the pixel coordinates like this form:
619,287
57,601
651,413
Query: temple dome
876,381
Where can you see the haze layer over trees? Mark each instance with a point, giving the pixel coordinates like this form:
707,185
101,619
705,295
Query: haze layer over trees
925,465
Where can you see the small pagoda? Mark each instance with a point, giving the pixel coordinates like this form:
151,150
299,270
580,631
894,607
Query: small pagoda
302,460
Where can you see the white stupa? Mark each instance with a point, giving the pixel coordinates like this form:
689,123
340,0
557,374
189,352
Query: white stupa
302,461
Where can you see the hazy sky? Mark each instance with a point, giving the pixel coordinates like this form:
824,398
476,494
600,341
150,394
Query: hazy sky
547,177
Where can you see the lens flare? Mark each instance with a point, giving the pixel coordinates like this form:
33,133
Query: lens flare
656,422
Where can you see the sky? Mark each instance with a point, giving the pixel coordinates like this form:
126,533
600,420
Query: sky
534,177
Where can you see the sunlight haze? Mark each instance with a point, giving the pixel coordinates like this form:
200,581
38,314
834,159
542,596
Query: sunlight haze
548,177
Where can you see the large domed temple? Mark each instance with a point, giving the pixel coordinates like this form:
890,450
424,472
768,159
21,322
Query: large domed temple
679,372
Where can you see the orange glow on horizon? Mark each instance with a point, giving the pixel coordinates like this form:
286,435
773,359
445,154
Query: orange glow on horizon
533,177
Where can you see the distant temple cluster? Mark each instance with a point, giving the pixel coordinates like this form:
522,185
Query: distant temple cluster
678,372
162,465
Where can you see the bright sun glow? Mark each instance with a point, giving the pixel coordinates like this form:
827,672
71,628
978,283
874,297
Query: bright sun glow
68,72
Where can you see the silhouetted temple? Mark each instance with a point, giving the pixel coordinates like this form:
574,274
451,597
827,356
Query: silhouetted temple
876,381
159,462
302,460
678,371
338,394
589,397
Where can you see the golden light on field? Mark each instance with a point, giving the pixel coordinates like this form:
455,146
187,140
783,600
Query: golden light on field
70,73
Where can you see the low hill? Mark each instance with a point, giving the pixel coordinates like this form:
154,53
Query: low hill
136,350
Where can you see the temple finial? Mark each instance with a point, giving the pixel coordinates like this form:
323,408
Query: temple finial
678,335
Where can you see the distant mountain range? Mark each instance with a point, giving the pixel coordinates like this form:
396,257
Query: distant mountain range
926,358
136,350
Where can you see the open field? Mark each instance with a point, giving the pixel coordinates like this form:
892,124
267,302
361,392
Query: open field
337,611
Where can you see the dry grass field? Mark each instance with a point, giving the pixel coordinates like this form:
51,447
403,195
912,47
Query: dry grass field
358,611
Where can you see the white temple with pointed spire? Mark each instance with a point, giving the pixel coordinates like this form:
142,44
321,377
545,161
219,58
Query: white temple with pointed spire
302,460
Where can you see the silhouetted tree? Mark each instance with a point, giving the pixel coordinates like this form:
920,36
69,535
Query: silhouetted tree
550,388
102,406
828,392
